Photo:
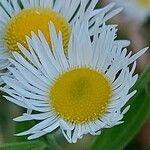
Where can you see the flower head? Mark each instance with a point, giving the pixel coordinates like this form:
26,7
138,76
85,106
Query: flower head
19,19
81,92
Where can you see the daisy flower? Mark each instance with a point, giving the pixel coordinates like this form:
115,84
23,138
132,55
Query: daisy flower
81,92
18,20
137,10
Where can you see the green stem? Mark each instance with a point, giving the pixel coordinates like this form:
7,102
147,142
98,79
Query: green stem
51,142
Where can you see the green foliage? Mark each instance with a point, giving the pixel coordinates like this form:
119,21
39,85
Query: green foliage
118,137
31,145
50,139
143,80
23,126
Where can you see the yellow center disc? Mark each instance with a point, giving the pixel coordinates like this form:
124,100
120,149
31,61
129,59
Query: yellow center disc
144,3
34,19
80,95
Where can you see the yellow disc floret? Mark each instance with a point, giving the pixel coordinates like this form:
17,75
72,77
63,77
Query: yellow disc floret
80,95
144,3
34,19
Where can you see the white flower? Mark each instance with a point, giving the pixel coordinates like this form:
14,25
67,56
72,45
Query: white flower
18,20
135,10
80,93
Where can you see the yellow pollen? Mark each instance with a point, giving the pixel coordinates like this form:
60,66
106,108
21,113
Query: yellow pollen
80,95
34,19
144,3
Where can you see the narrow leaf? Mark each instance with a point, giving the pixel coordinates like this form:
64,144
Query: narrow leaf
143,80
22,126
119,136
38,145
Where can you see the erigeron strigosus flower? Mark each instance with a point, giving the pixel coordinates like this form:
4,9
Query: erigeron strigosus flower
80,92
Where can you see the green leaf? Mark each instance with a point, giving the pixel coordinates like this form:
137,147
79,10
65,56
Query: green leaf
143,80
23,126
30,145
119,136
